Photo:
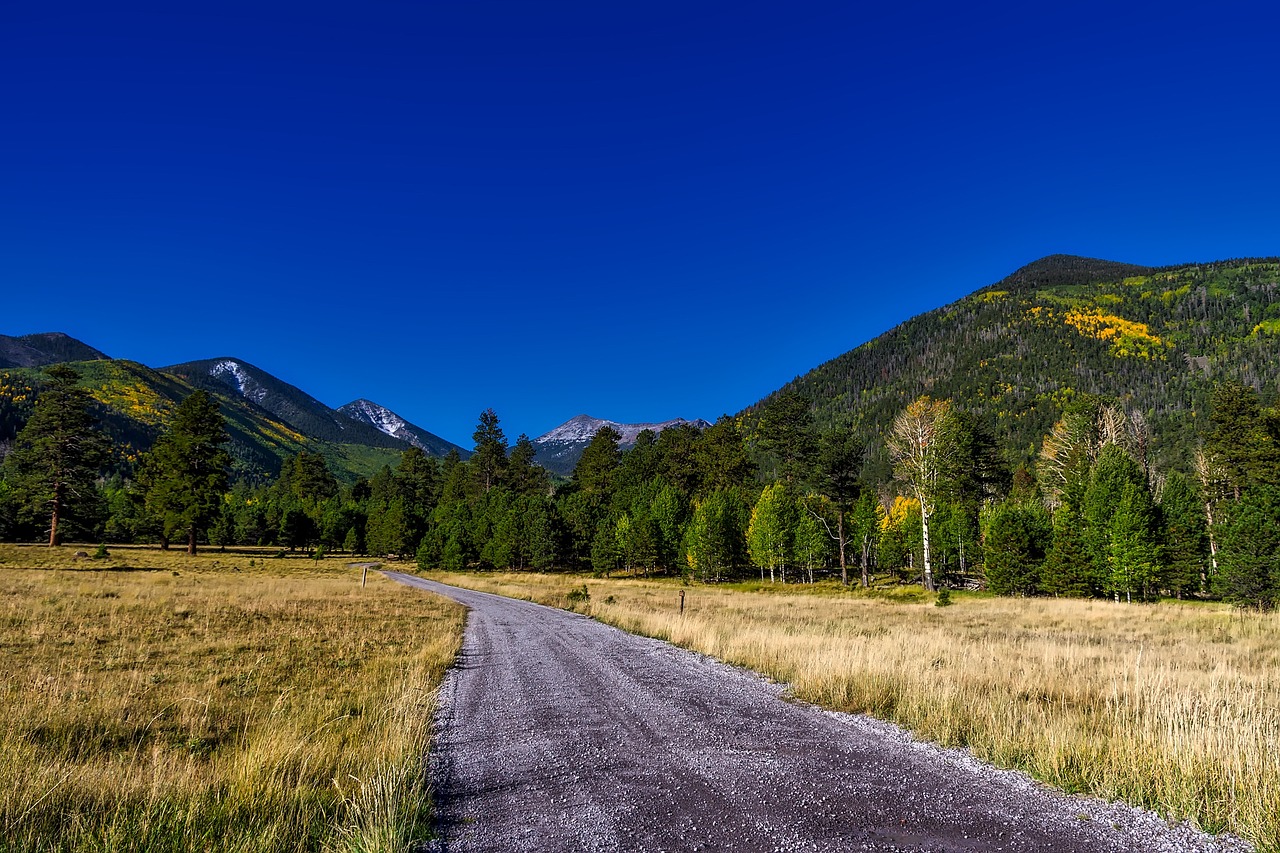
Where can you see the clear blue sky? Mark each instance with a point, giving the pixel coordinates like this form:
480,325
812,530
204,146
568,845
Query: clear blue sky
635,210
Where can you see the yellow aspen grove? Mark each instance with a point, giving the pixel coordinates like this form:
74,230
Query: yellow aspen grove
921,444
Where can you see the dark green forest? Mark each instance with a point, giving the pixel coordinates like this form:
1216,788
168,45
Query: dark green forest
1093,515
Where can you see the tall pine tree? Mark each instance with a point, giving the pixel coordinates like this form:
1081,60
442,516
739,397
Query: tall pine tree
57,454
185,473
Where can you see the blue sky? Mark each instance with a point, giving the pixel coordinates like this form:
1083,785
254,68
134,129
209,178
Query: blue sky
634,210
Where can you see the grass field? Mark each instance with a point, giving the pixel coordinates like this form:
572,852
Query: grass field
1175,707
152,701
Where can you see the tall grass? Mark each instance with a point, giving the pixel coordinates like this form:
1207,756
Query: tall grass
1175,707
158,702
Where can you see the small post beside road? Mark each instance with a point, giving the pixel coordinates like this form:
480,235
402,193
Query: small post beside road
682,602
364,575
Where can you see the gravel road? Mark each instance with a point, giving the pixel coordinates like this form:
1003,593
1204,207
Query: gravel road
558,733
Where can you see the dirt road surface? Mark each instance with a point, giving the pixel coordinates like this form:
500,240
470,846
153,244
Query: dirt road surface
558,733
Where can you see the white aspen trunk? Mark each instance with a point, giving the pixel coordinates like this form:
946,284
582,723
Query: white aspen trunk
924,531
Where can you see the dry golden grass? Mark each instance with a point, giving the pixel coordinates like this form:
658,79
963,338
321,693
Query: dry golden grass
1173,707
153,701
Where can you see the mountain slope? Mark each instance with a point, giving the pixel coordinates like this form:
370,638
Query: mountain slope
135,403
1017,351
560,449
290,404
43,349
387,421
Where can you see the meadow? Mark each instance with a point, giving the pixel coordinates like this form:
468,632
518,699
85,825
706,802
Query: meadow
227,702
1175,707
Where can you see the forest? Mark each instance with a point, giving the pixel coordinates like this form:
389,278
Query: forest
931,500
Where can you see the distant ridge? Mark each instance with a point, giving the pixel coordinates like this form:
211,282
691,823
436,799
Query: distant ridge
43,349
560,449
289,403
387,421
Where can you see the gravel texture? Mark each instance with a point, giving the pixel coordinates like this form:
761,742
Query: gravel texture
559,733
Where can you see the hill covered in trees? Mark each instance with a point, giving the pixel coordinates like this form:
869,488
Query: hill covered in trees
1018,352
135,403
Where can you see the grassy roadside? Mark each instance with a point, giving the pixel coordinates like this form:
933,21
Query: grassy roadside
228,702
1172,707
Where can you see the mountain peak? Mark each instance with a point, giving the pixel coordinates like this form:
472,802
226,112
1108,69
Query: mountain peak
45,348
560,449
388,422
1057,270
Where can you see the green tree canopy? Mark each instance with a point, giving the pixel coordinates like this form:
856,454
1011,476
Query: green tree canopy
57,455
185,473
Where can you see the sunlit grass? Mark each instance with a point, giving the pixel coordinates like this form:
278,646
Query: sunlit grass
1173,707
153,701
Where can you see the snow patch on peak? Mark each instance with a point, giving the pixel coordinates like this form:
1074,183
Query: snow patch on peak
583,428
382,419
244,383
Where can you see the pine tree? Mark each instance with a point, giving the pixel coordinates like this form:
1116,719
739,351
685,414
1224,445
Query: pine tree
1250,551
1069,568
1186,536
57,454
1017,537
185,473
489,460
785,433
1133,554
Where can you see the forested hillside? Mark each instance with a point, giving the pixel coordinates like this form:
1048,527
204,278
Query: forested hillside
1017,352
134,403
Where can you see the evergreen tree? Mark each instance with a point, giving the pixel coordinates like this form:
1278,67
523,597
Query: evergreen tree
1240,440
722,458
185,473
57,455
1114,470
1069,568
839,462
785,433
523,475
1186,536
597,468
1250,550
489,460
1133,554
1017,539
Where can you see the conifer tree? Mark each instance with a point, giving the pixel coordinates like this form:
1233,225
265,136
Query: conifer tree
1069,568
1250,550
1133,554
1017,537
489,460
57,454
185,473
1186,536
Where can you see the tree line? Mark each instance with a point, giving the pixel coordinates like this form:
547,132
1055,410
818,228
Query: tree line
931,501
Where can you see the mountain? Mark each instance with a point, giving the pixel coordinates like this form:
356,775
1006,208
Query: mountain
134,404
387,421
44,349
560,449
1015,352
290,404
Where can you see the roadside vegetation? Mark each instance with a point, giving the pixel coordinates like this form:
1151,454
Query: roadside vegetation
226,702
1175,706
